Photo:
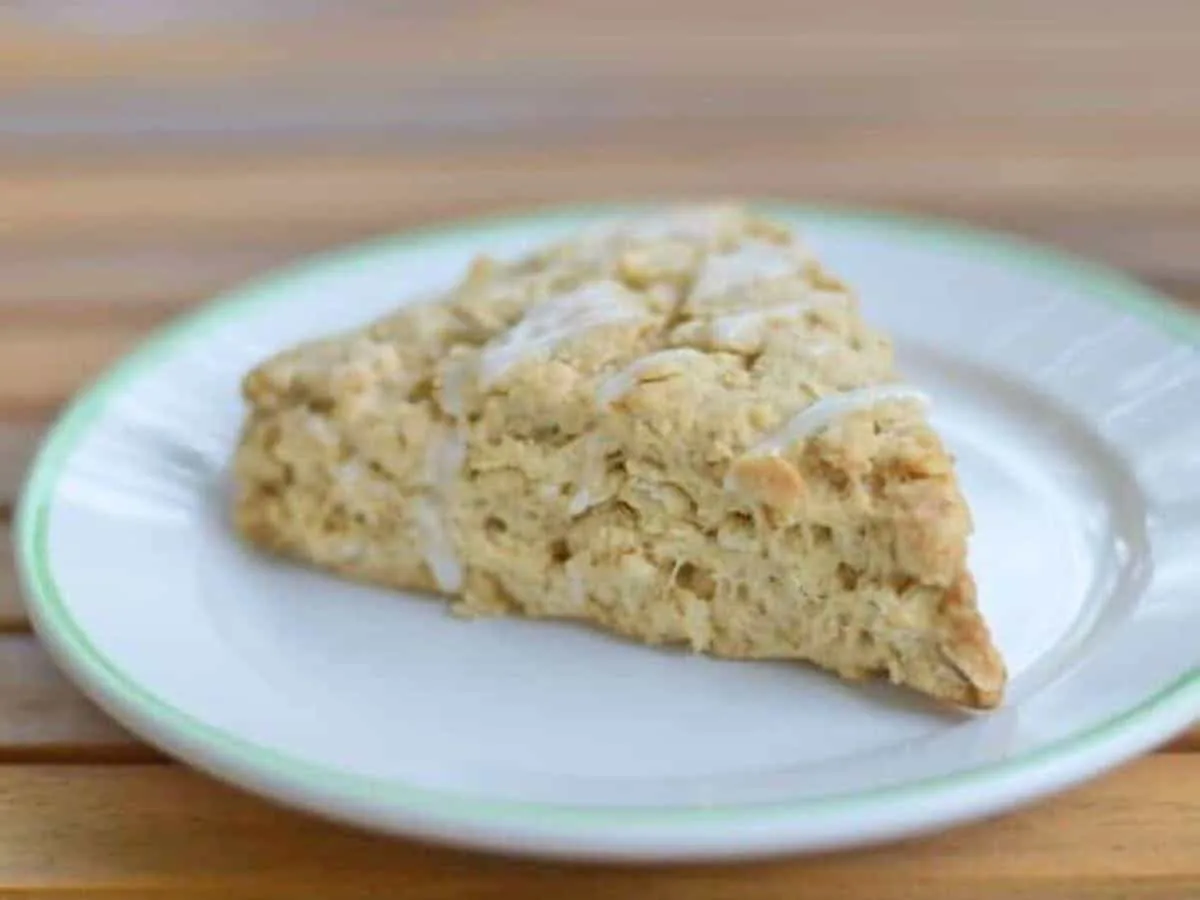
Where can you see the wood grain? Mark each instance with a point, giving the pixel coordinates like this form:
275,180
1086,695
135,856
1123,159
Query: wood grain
978,175
42,367
12,612
473,71
1188,742
1129,835
146,165
43,717
136,282
17,445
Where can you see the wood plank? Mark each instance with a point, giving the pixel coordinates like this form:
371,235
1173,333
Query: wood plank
36,30
1132,834
528,70
12,608
40,367
602,92
44,718
365,31
18,442
1188,742
620,35
130,283
990,173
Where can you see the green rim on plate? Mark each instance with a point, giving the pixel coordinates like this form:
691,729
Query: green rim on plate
128,700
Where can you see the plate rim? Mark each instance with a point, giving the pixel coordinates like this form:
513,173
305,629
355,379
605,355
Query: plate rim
585,830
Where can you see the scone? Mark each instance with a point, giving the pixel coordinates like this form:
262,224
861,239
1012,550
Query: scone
677,427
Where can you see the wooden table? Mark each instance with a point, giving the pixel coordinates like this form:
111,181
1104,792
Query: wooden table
144,168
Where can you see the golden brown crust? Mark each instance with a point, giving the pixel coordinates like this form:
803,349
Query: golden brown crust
967,646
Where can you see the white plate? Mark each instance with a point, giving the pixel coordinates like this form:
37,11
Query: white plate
1070,395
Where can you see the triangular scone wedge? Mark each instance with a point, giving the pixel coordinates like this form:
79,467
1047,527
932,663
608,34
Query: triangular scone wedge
678,428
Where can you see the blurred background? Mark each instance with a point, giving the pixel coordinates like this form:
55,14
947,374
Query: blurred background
155,151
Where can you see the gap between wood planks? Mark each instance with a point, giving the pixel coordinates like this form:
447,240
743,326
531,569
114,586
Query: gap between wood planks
1132,834
43,718
18,442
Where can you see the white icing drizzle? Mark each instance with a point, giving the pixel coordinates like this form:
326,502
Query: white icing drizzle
595,447
557,319
581,502
753,262
818,415
437,545
746,328
444,458
616,386
455,374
